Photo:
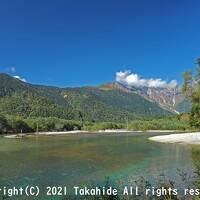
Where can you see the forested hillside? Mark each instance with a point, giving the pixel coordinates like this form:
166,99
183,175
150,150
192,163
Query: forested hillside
84,103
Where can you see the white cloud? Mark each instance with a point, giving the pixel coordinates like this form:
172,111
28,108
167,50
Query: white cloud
13,69
8,69
21,79
131,79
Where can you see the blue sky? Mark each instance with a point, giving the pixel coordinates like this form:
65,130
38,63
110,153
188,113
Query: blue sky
85,42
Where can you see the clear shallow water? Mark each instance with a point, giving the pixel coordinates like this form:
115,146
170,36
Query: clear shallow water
88,158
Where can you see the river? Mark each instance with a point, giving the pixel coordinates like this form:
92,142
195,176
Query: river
84,159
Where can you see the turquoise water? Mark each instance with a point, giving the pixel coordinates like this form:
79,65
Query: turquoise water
83,159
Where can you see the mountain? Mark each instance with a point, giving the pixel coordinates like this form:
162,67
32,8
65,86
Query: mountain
170,99
109,102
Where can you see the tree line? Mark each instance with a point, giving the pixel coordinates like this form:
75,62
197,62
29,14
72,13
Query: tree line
17,124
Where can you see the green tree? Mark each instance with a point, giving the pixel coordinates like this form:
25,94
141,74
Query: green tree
198,71
194,94
187,77
3,124
19,126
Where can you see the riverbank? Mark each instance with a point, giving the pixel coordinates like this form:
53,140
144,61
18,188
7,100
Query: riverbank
60,133
15,136
20,135
183,138
54,133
